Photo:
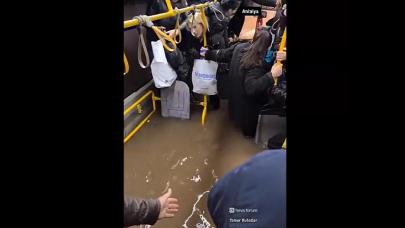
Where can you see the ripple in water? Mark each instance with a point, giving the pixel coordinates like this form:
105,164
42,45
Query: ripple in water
195,209
148,177
196,177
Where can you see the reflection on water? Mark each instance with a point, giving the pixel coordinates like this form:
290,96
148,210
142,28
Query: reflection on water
189,158
194,208
214,176
196,178
148,177
175,165
205,223
183,160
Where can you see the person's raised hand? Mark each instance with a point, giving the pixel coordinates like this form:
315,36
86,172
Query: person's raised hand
276,70
168,205
281,56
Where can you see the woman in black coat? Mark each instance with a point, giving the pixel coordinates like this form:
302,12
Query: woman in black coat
250,79
257,82
189,49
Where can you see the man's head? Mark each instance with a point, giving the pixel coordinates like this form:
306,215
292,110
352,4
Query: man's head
230,7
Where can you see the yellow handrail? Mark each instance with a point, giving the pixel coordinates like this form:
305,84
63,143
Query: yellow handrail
137,102
205,102
171,13
138,127
133,106
283,42
205,24
169,5
282,45
163,37
204,113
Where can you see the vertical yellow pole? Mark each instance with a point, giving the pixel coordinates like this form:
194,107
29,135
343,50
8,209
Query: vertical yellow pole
204,113
282,45
170,7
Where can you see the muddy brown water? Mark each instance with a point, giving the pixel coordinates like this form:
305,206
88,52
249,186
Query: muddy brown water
187,157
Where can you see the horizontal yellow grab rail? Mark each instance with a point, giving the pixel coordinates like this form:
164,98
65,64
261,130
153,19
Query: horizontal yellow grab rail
137,102
138,127
134,105
170,13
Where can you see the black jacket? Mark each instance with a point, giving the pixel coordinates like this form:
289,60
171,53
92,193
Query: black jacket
221,55
178,61
218,27
196,2
278,94
242,108
271,3
233,54
257,82
140,211
250,89
190,47
278,24
182,59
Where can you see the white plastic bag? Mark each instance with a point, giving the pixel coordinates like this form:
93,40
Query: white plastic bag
204,77
163,74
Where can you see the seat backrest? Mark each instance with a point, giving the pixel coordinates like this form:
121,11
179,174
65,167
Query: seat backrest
271,128
175,101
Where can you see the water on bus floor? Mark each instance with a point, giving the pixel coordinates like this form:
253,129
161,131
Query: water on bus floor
183,155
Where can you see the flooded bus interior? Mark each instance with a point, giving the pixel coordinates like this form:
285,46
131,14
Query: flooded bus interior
188,151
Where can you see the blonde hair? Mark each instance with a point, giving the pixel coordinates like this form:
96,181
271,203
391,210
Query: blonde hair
278,3
195,18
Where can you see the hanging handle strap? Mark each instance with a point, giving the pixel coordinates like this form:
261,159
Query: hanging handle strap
216,11
141,41
164,37
142,46
177,30
145,20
